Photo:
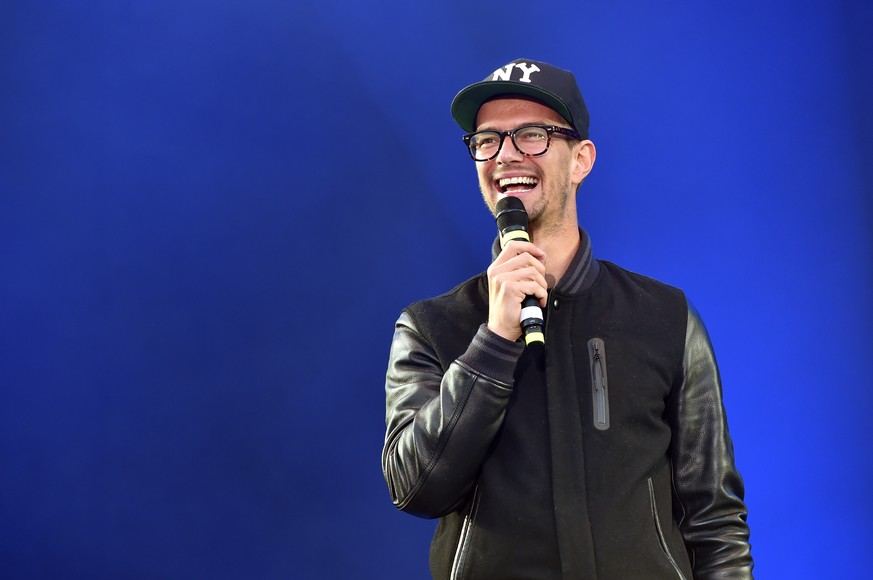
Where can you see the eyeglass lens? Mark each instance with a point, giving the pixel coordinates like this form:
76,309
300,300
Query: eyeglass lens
528,140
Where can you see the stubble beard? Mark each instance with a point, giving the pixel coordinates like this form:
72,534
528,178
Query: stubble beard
548,215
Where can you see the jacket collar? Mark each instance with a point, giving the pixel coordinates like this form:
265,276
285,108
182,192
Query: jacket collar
581,273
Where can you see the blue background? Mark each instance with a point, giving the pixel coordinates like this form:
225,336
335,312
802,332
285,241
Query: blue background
211,213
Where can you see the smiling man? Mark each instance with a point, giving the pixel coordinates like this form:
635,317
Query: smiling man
602,453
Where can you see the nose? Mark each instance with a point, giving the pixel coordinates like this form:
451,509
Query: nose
508,153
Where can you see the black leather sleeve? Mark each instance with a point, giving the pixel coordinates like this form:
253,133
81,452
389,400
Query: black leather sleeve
440,424
708,487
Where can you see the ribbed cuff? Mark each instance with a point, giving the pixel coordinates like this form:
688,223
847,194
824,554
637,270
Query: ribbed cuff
492,355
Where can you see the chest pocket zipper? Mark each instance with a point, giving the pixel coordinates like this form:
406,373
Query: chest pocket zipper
599,383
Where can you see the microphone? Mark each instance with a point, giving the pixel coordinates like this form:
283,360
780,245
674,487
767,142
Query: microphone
512,225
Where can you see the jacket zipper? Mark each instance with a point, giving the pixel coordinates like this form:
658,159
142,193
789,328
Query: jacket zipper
661,539
464,539
599,383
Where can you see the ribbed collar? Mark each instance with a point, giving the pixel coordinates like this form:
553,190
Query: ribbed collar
581,273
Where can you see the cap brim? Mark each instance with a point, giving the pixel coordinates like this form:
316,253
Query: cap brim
466,104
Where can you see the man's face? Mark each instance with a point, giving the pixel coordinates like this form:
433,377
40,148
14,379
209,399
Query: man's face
545,184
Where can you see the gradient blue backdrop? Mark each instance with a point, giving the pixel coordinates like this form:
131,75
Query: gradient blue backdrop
211,214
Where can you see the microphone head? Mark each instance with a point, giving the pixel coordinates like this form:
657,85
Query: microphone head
510,214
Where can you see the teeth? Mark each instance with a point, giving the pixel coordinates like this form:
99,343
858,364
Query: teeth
507,181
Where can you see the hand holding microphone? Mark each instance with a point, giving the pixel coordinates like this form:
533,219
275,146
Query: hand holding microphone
516,279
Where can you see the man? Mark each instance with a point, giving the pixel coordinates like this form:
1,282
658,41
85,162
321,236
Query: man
604,453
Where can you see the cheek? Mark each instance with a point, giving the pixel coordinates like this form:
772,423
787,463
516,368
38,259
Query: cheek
484,178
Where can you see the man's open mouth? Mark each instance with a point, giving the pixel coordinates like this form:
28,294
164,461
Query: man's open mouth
517,184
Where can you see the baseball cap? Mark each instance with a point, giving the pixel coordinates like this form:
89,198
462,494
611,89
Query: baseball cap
552,86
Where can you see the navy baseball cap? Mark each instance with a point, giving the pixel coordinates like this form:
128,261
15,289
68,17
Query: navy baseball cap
552,86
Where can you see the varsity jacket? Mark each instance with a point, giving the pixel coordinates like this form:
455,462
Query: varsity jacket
604,454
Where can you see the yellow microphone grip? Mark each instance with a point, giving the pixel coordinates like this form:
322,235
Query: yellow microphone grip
514,235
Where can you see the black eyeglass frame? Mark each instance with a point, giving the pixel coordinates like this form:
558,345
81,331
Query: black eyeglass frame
502,135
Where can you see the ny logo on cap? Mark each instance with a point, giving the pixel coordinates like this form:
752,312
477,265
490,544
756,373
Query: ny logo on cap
505,73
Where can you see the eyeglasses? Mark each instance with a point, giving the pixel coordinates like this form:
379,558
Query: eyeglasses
530,140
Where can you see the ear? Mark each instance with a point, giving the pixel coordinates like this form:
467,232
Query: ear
583,161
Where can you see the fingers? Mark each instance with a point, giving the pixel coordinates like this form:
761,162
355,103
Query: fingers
517,248
519,282
521,262
517,272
